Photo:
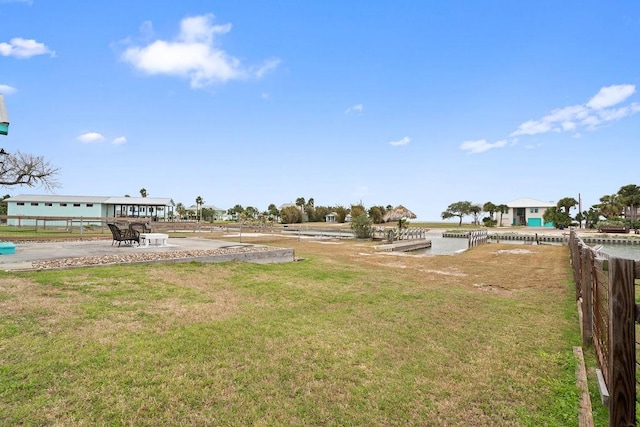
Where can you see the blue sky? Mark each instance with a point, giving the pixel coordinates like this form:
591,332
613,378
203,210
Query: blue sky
420,103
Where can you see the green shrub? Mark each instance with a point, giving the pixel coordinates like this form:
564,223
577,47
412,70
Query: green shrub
362,226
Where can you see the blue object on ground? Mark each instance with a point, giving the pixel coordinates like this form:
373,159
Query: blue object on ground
7,248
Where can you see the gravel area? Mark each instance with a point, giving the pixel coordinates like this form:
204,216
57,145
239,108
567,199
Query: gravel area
141,257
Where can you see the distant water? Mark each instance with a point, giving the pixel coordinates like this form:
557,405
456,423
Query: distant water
622,251
441,245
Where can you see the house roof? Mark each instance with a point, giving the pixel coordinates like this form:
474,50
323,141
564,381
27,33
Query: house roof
527,202
56,198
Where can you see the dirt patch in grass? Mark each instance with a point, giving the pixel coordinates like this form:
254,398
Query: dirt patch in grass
19,297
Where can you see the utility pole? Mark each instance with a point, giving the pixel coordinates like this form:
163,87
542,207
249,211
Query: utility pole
580,207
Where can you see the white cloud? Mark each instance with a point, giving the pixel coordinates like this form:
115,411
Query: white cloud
588,116
611,95
481,145
90,137
7,90
119,140
194,54
24,48
358,108
403,141
532,127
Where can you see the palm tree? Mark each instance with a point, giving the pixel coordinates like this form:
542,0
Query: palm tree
181,210
199,202
503,209
610,206
143,192
630,198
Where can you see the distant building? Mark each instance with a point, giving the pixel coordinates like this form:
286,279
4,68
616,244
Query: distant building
331,217
526,212
218,213
32,205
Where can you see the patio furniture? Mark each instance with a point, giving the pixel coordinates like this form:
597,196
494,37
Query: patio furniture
126,235
142,227
160,239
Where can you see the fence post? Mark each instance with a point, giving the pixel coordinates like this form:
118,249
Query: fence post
585,257
622,390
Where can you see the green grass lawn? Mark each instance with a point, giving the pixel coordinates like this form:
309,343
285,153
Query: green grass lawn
337,339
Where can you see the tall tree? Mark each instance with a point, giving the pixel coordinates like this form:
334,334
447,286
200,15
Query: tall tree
182,211
610,206
567,203
3,204
376,213
489,208
630,198
457,209
26,170
251,212
503,209
143,192
310,210
475,210
357,210
272,209
199,203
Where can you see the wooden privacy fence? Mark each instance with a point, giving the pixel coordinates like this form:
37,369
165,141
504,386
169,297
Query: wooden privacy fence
609,315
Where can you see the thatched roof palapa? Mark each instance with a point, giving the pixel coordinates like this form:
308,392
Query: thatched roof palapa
398,214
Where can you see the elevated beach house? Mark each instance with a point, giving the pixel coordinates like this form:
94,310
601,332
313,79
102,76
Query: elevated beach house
22,209
526,211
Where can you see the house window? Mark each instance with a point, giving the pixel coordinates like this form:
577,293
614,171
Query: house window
76,205
89,205
63,204
48,204
34,203
533,210
20,203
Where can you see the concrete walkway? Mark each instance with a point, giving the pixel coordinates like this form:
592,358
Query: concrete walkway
206,250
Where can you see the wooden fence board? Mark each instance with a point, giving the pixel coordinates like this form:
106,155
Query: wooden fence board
622,390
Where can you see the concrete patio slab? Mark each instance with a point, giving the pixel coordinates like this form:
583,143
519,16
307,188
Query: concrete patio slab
82,253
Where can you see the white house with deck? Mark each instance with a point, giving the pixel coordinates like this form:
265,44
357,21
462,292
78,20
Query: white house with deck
58,206
526,212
